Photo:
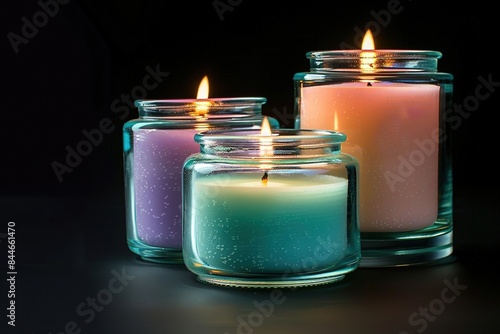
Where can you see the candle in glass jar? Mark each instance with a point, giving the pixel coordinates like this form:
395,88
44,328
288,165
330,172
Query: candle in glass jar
392,105
157,167
155,148
269,209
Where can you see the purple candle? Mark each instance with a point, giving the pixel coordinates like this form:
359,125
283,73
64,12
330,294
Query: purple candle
155,147
158,161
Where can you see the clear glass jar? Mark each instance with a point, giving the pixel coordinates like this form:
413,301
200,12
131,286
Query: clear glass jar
392,105
155,146
270,211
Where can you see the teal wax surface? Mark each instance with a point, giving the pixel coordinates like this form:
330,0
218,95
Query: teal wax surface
293,223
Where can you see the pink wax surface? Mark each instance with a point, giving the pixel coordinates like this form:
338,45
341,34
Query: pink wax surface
392,129
159,156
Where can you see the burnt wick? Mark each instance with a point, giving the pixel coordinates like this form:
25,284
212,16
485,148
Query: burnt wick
369,84
264,178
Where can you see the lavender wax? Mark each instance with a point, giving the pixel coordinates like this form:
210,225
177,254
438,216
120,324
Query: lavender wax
155,146
159,156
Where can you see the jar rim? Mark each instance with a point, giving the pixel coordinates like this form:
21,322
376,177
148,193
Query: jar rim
229,107
214,102
277,136
378,53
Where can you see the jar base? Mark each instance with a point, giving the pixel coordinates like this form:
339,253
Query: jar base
405,249
270,283
156,254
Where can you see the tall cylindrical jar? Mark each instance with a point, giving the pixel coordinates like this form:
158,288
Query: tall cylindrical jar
155,146
276,210
392,105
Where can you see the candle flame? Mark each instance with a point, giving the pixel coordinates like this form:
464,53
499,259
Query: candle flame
335,121
368,42
265,127
266,147
203,89
368,58
202,106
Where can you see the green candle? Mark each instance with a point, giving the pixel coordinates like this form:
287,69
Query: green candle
246,223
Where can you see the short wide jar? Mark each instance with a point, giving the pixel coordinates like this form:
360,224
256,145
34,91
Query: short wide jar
270,211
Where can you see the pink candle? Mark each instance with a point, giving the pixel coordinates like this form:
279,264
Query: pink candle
392,128
392,105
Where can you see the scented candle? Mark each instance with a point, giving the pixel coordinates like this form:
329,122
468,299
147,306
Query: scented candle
270,210
155,147
392,106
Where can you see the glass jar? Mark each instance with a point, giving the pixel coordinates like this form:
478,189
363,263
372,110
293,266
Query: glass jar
392,105
155,146
270,211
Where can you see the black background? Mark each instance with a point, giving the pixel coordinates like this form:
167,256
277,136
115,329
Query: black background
70,232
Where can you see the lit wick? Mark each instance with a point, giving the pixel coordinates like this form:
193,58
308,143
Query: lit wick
264,179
